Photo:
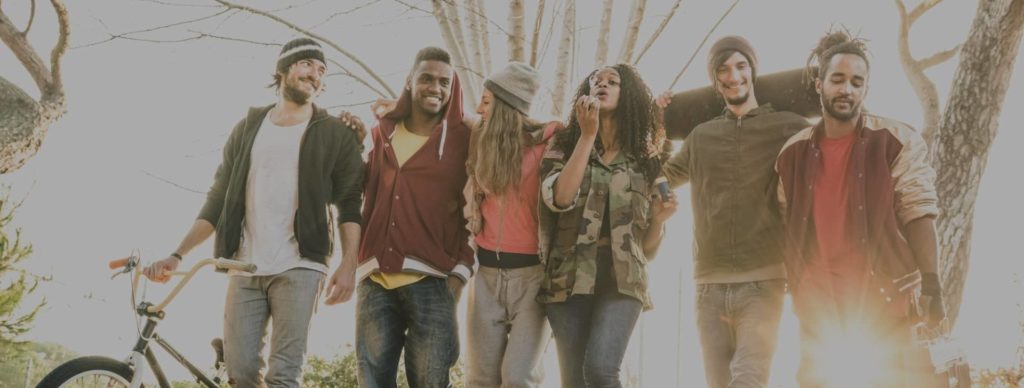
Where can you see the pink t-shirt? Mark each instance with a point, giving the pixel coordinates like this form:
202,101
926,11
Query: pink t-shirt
510,221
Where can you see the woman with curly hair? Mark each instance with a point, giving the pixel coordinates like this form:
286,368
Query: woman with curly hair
601,223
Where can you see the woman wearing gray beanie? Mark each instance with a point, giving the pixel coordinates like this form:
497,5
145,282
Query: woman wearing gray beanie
506,326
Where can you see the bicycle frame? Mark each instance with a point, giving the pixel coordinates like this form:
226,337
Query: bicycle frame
142,355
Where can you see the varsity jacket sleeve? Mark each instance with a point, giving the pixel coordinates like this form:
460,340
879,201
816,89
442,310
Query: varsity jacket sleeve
677,169
214,205
347,178
466,266
913,177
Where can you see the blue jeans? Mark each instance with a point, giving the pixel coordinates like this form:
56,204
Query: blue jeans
286,301
420,318
592,332
738,325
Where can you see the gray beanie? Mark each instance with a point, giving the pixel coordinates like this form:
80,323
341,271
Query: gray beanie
297,50
516,85
732,43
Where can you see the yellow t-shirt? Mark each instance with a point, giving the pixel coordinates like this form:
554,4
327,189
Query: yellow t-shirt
405,144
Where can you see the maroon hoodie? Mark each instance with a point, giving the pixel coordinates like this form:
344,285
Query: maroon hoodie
412,215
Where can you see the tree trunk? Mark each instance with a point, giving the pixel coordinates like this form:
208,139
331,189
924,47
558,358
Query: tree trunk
458,56
486,35
23,120
636,17
657,32
562,70
601,57
517,37
475,25
535,41
968,126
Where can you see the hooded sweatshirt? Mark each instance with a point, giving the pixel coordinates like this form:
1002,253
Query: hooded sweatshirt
412,213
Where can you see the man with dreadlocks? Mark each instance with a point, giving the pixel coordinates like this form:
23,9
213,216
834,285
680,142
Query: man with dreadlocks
737,232
859,206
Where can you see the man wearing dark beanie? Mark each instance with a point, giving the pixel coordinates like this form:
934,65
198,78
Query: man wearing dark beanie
284,166
737,232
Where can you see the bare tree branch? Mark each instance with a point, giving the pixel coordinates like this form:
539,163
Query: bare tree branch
636,18
181,4
534,42
939,57
920,9
293,6
702,42
923,86
345,12
303,31
601,56
414,7
172,183
657,32
517,39
31,18
551,33
151,29
22,50
233,39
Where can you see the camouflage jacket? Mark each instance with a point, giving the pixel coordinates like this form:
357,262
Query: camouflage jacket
569,237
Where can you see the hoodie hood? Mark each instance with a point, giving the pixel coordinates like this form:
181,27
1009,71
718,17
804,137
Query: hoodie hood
452,114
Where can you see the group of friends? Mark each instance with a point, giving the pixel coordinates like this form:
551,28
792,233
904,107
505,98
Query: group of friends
552,225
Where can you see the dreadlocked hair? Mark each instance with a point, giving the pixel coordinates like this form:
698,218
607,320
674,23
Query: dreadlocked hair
496,149
637,120
834,42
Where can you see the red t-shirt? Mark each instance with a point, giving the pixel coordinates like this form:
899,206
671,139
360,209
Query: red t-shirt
835,277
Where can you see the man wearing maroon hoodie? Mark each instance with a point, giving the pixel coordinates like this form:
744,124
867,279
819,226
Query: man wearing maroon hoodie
415,255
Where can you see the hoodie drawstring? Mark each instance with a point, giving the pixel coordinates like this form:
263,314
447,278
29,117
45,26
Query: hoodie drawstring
444,135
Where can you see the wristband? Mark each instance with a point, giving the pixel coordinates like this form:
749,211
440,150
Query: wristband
177,256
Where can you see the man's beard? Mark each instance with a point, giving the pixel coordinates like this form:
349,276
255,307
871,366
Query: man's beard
841,116
738,100
295,94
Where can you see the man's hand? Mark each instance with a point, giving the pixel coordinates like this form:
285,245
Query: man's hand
342,284
355,123
663,99
382,107
930,304
587,109
455,285
160,271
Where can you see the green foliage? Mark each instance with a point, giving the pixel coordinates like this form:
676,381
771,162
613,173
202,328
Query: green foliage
42,357
341,372
15,283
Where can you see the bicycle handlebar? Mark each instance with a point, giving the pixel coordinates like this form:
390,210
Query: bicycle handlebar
219,263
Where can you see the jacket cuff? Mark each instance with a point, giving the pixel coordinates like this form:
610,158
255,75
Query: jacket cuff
547,189
462,272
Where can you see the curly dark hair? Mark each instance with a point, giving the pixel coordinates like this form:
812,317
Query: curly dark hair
837,41
637,121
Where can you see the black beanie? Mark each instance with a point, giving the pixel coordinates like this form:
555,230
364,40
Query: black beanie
732,43
297,50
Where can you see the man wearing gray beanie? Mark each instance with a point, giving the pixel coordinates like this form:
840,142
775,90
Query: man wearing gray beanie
283,165
737,232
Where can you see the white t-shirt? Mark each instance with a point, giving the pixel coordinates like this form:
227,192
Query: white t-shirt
271,200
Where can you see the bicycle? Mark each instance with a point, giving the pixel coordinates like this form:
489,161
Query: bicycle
99,371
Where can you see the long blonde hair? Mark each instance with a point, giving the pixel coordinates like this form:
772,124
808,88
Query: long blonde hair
496,149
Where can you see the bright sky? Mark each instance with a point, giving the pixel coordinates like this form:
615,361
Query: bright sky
143,114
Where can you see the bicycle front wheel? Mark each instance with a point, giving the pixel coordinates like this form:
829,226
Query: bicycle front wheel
89,372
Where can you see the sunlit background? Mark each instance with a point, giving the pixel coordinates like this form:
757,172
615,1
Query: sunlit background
126,167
